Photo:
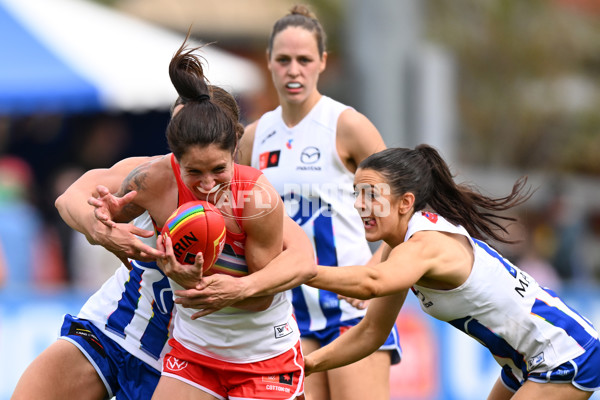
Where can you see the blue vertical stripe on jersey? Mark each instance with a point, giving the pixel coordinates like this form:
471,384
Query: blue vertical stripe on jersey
559,319
497,345
326,255
553,294
324,240
157,332
122,316
301,310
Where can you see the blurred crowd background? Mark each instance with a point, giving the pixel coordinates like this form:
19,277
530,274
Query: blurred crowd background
502,88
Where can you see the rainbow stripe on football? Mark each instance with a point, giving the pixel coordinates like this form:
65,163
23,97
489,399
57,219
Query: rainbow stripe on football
196,226
183,215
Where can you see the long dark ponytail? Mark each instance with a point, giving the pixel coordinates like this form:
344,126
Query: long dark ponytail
423,172
201,121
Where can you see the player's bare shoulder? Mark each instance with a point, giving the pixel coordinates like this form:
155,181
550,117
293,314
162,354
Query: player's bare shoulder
154,174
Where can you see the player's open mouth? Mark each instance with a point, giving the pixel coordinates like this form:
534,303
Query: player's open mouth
369,222
293,85
211,191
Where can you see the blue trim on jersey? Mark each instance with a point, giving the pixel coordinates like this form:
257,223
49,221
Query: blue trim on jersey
497,345
559,319
329,303
509,267
330,306
157,332
553,294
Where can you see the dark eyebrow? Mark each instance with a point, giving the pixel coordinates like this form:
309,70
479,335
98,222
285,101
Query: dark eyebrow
364,186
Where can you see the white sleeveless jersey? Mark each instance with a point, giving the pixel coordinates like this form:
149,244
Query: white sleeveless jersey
238,336
526,327
231,334
303,165
134,308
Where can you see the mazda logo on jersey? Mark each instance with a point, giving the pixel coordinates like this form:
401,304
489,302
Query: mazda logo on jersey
269,159
310,155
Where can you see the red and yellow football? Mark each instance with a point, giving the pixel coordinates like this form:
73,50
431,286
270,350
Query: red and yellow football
196,226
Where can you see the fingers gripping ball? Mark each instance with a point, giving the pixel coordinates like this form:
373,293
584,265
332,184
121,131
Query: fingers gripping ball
196,226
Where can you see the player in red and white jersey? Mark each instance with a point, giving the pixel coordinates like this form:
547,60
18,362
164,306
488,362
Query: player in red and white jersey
128,320
203,140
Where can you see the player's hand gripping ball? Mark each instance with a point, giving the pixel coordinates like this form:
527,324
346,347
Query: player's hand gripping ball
196,226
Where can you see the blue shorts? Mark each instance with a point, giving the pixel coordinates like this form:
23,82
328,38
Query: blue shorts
124,375
583,372
328,335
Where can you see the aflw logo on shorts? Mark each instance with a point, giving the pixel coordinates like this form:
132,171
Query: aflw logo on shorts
175,364
282,330
286,379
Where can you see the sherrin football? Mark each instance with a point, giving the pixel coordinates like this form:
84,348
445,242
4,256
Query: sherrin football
196,226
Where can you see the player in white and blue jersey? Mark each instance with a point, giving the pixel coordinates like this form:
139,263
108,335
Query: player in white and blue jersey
308,148
546,349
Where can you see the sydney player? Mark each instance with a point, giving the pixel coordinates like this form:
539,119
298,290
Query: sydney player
115,345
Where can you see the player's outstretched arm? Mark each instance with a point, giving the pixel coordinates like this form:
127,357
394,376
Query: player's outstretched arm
120,239
360,340
292,267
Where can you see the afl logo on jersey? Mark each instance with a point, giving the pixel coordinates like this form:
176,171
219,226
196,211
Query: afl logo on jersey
310,155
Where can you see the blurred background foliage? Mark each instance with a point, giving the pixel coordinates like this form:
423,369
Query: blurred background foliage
528,73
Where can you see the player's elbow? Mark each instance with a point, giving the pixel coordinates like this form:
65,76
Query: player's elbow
59,203
62,206
370,287
309,269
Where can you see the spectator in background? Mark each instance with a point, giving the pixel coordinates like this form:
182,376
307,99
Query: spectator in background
532,252
28,252
567,227
87,266
590,243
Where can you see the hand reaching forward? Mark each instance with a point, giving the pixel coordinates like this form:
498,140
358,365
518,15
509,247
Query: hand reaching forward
215,292
106,204
121,239
210,293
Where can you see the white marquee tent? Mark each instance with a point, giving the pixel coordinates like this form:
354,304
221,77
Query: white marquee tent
76,55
